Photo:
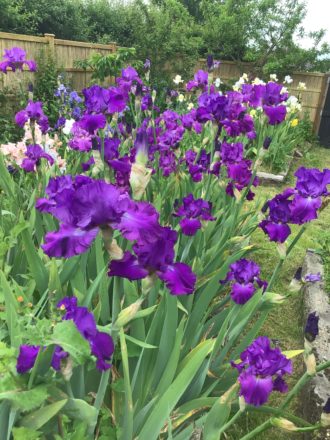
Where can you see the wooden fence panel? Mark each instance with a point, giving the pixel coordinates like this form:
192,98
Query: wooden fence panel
65,52
312,98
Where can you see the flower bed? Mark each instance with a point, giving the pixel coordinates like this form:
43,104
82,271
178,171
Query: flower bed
127,279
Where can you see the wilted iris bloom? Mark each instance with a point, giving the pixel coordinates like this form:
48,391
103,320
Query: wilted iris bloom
244,277
147,64
312,277
312,327
261,371
15,58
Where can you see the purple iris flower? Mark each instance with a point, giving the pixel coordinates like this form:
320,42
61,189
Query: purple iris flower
128,267
92,123
312,327
58,355
179,279
68,241
146,102
312,182
168,162
261,371
244,278
118,99
200,81
295,206
102,347
33,155
60,123
26,358
74,98
139,222
240,173
81,140
96,99
82,208
86,165
101,344
34,112
122,167
276,231
313,277
199,165
231,153
304,209
15,58
241,293
193,211
276,114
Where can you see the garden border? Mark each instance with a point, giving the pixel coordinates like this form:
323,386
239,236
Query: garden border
316,300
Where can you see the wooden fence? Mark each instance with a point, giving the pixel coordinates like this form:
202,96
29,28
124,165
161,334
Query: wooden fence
65,52
312,98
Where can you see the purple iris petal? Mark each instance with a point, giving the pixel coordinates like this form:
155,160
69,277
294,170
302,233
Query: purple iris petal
92,123
128,267
158,254
26,358
304,209
98,203
275,115
117,100
86,165
68,241
58,355
241,293
261,371
179,279
275,231
255,390
312,182
139,222
34,153
231,152
15,58
102,347
190,226
69,303
96,99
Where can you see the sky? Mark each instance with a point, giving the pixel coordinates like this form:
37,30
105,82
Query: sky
318,17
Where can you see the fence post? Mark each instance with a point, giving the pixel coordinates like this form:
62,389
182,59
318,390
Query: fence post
50,39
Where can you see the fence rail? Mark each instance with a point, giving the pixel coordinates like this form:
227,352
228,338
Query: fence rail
66,52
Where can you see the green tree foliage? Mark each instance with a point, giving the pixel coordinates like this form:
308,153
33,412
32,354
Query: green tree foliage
264,32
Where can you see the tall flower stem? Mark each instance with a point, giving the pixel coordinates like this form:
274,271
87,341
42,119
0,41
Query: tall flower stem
231,421
301,382
280,263
258,430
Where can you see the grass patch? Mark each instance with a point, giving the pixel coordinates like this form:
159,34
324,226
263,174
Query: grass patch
285,323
